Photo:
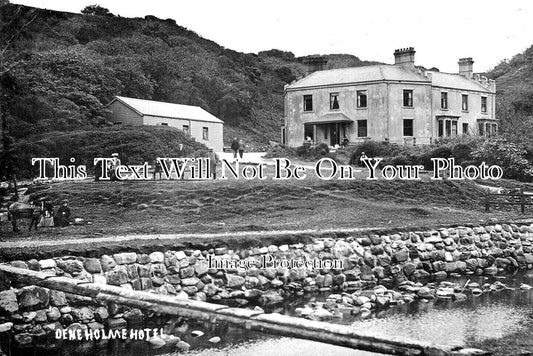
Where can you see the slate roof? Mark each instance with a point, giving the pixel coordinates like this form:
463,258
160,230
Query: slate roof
357,75
456,81
169,110
384,72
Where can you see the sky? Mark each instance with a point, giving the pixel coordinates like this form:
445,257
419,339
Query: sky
440,31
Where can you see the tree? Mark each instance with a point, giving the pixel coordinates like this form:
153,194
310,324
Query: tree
13,23
96,10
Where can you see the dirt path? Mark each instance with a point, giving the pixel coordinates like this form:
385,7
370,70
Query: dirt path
177,237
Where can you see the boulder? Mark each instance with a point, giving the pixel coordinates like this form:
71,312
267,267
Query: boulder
33,298
156,342
321,314
425,293
193,281
72,267
182,346
201,268
5,327
157,257
214,340
53,314
134,317
116,323
107,262
57,298
92,265
48,263
234,281
117,276
271,298
124,258
8,302
23,339
19,264
83,314
401,256
187,272
5,282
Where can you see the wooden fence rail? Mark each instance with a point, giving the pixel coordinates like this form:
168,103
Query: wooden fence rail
518,198
272,323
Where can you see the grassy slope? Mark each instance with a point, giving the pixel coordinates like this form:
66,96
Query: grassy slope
72,65
238,205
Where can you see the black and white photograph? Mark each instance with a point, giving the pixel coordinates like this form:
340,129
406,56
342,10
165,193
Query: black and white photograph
236,178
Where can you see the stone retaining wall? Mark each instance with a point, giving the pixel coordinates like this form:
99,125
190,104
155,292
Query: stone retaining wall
367,261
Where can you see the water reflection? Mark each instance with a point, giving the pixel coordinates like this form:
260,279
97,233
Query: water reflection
505,315
489,316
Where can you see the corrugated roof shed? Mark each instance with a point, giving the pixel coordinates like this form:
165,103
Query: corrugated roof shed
170,110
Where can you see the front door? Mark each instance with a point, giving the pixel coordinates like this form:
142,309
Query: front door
337,132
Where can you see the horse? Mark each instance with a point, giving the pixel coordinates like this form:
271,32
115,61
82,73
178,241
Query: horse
20,210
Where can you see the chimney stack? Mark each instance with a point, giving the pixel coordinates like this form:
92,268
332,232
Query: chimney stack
466,67
405,57
314,64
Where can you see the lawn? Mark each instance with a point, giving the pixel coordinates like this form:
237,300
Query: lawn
184,206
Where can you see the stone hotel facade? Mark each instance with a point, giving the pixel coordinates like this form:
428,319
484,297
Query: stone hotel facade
397,103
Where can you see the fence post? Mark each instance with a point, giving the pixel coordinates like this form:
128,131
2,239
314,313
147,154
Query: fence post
487,203
522,202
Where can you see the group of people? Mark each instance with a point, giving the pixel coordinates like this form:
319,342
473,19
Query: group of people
237,146
44,215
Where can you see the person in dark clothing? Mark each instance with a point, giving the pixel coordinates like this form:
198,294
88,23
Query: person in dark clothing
97,171
38,210
213,161
157,169
63,215
345,142
235,147
241,148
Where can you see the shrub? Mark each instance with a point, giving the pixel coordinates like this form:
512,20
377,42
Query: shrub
438,152
509,156
461,152
280,151
135,145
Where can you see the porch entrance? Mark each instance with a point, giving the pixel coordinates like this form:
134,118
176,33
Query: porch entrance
336,131
330,129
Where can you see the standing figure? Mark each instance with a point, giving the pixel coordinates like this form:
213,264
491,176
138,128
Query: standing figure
157,168
241,148
63,214
213,161
97,171
235,147
114,164
38,210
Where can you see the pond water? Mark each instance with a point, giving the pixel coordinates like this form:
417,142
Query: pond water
502,318
501,322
